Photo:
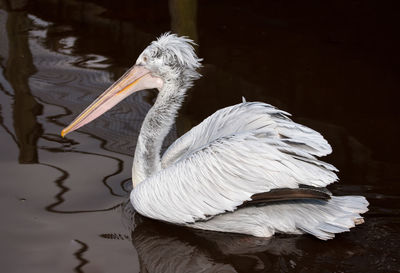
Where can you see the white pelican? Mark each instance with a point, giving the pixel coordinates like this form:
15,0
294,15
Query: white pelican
223,174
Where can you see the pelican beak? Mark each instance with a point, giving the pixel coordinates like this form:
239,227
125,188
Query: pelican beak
135,79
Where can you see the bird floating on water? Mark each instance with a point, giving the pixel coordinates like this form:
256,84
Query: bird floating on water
247,168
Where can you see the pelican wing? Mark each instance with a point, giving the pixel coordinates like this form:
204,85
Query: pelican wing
217,170
244,117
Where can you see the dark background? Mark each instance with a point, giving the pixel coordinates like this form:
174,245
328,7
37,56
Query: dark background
335,61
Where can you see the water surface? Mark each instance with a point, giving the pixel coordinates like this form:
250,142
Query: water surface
64,202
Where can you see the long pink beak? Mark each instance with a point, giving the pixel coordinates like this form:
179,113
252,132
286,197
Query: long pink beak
135,79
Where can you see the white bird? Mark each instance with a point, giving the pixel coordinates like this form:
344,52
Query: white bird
223,174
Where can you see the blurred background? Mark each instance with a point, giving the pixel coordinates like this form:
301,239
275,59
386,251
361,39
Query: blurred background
64,202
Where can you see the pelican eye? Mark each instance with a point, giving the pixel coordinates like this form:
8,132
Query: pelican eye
145,59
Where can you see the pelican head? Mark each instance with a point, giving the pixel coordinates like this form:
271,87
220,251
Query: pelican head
168,64
172,59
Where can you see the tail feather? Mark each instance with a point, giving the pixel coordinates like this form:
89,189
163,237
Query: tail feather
321,218
343,214
333,228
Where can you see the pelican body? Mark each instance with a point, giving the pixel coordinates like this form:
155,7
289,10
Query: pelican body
247,168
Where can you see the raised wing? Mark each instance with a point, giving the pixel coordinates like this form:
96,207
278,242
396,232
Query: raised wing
245,117
214,172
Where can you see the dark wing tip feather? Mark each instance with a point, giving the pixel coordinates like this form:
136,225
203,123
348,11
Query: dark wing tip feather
286,194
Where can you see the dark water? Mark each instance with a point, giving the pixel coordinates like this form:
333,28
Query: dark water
64,202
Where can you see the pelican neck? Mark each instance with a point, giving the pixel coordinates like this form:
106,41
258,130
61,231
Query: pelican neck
155,127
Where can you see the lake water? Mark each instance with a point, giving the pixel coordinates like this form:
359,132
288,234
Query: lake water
64,203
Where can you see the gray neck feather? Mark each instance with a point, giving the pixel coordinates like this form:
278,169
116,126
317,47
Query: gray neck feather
155,128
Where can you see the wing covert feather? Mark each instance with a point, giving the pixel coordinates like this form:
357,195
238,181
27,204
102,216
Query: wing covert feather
244,117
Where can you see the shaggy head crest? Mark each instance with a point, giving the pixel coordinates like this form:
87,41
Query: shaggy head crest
172,57
179,47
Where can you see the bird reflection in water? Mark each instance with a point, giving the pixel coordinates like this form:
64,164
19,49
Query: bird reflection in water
163,247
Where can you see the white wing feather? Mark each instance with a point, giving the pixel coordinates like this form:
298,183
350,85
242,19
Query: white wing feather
245,117
239,151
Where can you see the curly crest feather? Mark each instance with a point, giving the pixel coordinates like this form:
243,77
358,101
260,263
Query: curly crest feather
173,58
179,47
